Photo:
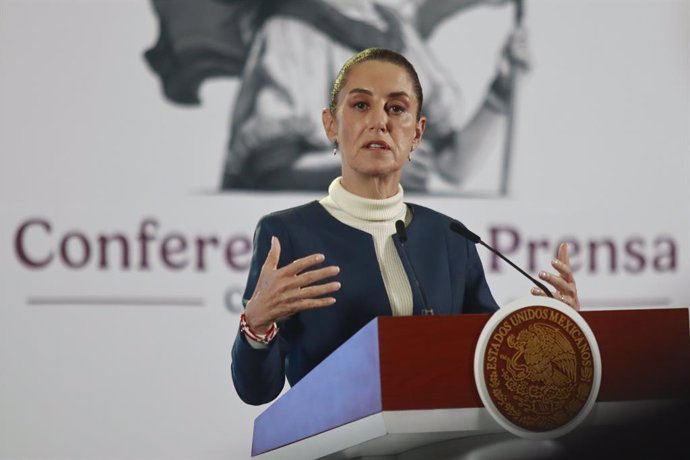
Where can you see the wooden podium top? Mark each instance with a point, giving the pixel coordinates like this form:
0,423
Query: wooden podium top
426,362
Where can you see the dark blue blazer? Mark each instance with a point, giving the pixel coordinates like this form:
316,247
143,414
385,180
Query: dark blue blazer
447,266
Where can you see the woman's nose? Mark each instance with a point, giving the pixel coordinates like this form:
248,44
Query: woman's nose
378,121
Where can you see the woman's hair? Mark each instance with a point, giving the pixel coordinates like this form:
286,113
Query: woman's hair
376,54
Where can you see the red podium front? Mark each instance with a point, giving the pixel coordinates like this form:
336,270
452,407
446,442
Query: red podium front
404,382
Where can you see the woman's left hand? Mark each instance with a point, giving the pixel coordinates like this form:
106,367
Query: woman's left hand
563,282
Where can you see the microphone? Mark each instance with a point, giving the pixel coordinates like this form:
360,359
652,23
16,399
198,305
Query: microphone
460,229
402,236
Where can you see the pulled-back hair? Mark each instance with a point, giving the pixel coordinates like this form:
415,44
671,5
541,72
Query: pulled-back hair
376,54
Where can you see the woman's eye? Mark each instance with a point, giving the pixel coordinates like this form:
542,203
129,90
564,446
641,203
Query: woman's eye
360,105
396,109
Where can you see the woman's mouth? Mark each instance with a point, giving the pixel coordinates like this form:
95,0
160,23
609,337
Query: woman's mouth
377,145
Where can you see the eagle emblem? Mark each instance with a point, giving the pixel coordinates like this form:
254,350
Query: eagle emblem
543,356
537,368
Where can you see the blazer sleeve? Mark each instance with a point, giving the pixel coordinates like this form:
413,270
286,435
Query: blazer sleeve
259,374
478,296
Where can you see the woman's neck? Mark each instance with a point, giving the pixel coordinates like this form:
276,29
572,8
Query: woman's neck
374,187
360,211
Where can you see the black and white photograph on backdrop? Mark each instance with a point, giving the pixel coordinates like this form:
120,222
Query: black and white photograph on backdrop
286,53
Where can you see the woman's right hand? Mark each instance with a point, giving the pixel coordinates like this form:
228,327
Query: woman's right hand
281,292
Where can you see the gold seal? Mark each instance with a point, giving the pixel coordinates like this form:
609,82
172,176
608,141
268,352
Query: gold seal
538,367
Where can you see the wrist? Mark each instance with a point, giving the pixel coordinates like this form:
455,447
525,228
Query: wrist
253,322
265,335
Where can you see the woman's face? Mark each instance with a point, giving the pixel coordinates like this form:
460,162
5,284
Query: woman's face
375,124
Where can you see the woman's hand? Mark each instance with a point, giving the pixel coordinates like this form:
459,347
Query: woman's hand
564,282
280,292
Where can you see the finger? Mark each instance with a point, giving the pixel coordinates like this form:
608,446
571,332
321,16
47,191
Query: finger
557,282
318,291
312,276
564,270
301,264
308,304
564,266
563,253
271,262
566,299
538,292
290,296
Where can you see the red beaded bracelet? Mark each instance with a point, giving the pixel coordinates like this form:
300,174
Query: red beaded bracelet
264,338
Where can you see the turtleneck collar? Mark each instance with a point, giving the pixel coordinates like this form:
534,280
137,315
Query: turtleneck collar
367,208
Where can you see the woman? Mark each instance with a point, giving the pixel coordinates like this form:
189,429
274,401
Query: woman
325,269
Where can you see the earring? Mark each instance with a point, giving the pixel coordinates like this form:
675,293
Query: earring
335,147
409,157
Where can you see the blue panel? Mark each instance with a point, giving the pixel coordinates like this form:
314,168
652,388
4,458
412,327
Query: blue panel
345,387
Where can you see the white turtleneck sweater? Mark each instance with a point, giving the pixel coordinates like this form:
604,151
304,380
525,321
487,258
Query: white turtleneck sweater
377,218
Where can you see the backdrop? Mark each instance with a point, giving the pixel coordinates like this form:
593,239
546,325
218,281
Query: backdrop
123,256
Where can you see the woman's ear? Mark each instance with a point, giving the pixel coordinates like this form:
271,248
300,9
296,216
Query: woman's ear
329,125
419,132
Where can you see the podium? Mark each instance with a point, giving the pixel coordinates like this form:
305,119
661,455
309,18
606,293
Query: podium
403,383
